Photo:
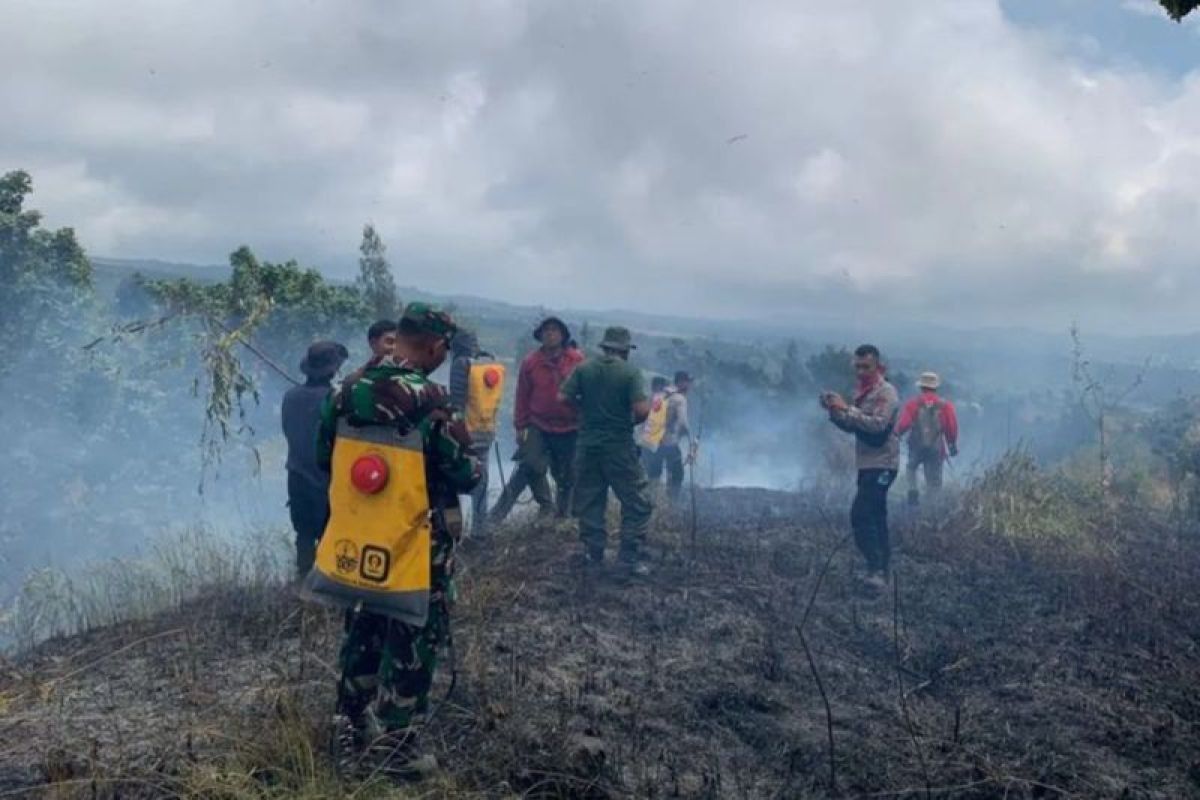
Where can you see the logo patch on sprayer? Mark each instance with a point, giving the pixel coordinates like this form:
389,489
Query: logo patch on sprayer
346,556
375,563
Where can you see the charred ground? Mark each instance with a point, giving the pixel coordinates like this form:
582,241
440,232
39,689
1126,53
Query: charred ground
1015,663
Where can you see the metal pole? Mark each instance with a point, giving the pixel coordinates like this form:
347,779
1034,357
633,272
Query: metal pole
500,465
692,488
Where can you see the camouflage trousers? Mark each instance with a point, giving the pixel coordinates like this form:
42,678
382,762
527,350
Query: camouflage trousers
388,666
617,467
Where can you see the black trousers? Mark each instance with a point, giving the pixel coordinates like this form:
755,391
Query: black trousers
652,460
308,506
672,459
869,517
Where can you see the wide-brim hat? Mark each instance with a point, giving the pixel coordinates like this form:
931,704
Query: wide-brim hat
562,326
929,380
617,338
323,359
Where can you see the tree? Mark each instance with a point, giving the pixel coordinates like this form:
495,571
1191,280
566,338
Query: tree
1098,400
283,305
792,375
44,275
1178,9
375,279
832,369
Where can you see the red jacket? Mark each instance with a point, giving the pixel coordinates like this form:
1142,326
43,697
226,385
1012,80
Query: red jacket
537,392
949,419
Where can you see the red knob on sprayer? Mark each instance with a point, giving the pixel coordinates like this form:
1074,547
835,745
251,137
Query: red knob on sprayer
491,377
369,474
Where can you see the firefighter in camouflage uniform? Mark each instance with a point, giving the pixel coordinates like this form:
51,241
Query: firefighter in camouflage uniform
388,658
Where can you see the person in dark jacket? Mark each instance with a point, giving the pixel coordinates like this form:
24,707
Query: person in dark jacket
308,484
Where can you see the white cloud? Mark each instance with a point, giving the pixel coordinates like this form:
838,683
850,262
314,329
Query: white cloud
921,156
1145,8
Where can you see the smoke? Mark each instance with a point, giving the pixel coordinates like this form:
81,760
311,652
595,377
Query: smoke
103,446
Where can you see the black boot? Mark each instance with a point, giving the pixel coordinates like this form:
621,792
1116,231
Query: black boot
347,743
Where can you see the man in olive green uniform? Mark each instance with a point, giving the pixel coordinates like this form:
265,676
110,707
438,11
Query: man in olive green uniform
611,397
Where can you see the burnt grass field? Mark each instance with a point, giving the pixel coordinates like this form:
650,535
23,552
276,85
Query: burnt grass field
997,666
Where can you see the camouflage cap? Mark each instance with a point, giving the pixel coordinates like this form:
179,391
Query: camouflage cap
426,318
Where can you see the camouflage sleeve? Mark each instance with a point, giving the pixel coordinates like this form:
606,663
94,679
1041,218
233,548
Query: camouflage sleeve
397,400
326,431
447,447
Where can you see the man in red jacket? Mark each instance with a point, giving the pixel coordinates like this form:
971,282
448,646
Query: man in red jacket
932,428
546,426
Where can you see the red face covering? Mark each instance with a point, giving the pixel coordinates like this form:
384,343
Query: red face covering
868,381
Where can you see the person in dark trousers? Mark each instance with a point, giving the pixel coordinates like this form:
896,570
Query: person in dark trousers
931,424
677,430
546,425
650,433
308,484
610,394
464,349
871,417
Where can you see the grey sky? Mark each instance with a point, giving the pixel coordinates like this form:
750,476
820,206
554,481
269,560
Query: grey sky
967,160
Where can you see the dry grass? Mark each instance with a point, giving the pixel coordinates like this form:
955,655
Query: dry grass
1018,657
176,568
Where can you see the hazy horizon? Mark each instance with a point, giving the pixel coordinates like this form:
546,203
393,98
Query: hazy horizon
967,161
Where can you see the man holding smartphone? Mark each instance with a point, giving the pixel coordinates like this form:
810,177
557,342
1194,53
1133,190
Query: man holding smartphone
871,417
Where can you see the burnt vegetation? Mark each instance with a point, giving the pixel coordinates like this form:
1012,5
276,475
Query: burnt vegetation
1039,639
1034,646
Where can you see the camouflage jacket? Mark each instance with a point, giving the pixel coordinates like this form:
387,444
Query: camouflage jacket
396,393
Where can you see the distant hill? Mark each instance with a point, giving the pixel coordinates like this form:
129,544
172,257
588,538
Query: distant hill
1013,358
